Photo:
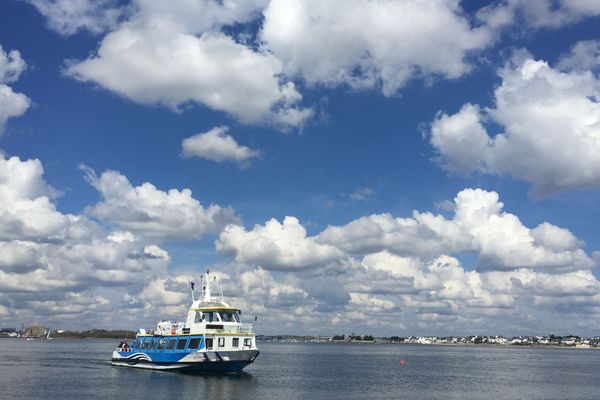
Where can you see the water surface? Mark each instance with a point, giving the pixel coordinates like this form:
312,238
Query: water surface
77,369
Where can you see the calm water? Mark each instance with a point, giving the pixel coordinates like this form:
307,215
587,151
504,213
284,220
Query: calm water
78,369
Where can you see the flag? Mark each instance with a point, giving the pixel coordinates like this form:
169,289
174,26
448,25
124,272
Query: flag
192,284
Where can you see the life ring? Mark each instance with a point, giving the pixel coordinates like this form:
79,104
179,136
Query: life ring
173,330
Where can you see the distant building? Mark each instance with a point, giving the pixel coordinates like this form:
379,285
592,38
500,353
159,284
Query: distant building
8,332
36,331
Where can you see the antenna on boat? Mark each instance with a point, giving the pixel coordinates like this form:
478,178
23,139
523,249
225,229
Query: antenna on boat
206,287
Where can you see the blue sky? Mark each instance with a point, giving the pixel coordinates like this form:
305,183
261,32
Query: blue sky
388,131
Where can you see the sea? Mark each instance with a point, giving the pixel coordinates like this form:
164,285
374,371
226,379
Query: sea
80,369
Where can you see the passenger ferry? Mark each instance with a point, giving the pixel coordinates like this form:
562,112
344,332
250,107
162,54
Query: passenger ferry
212,339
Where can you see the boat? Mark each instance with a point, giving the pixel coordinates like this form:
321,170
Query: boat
212,339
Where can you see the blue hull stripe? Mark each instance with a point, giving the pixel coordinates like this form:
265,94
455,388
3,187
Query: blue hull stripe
216,366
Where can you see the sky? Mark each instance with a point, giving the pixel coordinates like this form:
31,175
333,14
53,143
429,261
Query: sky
378,167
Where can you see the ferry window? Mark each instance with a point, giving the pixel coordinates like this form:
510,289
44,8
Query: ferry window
194,344
155,344
235,342
181,343
210,316
209,343
248,342
146,343
171,344
236,316
227,317
221,342
198,317
161,344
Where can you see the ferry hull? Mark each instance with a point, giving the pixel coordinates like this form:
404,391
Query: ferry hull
202,367
211,362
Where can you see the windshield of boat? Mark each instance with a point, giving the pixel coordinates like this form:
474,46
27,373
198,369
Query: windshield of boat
229,316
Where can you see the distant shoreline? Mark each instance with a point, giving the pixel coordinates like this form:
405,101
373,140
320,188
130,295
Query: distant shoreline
89,334
551,341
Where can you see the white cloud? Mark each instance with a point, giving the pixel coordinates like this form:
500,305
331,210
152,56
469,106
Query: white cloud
152,213
51,262
77,273
167,291
443,289
17,256
26,211
217,145
363,194
121,236
11,104
551,121
584,55
275,245
479,225
165,55
11,66
407,270
366,44
199,15
538,13
259,286
420,236
460,138
69,16
553,237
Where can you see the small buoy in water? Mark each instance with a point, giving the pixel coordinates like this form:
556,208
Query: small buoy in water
401,362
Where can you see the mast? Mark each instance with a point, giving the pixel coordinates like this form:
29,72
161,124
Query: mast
206,297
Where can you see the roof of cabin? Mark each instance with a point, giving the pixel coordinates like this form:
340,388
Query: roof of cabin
215,308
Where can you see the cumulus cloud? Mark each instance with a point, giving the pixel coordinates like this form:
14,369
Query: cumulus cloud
275,245
361,277
50,262
367,44
479,225
150,212
584,55
199,16
167,291
442,291
11,65
217,145
551,122
260,286
537,14
390,292
163,55
70,16
71,270
12,104
26,210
